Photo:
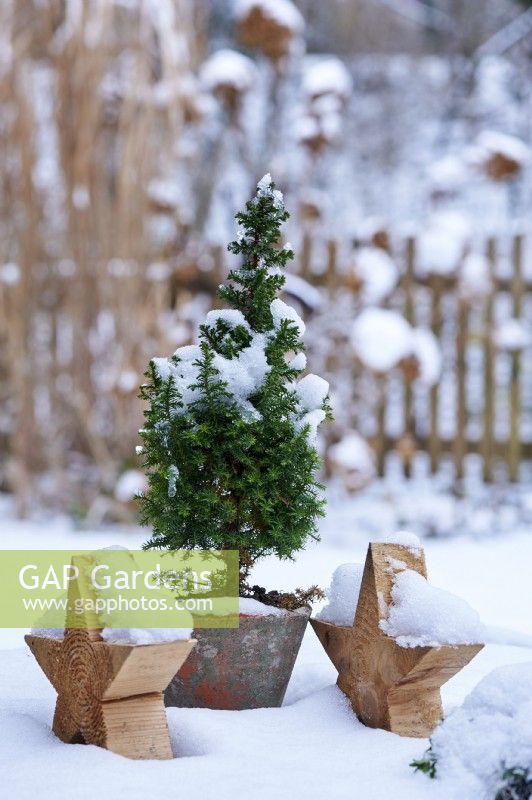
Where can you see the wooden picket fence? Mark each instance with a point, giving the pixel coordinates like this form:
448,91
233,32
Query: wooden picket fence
473,327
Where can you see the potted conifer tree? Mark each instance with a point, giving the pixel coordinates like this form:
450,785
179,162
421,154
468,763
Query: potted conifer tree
229,451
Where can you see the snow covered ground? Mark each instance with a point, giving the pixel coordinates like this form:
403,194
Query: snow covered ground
313,747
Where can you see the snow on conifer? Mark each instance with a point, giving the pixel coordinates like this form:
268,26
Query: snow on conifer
228,443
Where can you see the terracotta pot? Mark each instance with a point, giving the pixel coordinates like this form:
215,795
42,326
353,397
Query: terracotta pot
237,668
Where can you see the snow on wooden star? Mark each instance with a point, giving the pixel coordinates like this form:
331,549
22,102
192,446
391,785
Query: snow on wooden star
394,682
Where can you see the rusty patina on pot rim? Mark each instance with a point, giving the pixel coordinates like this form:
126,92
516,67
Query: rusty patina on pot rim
238,668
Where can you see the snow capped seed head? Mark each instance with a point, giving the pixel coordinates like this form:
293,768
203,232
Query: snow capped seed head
228,69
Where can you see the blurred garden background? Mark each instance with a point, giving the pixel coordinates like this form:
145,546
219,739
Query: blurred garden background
400,135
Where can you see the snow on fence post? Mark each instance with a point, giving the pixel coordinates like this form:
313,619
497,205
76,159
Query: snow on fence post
380,439
218,271
14,287
408,310
460,446
306,251
487,442
442,288
332,265
218,257
514,450
436,324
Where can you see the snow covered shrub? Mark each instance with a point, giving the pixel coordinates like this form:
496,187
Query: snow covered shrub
272,26
517,784
483,750
426,764
229,438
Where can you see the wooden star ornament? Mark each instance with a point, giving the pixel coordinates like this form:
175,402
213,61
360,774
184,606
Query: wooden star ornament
391,687
110,695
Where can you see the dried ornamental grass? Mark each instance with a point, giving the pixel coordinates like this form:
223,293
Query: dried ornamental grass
92,109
